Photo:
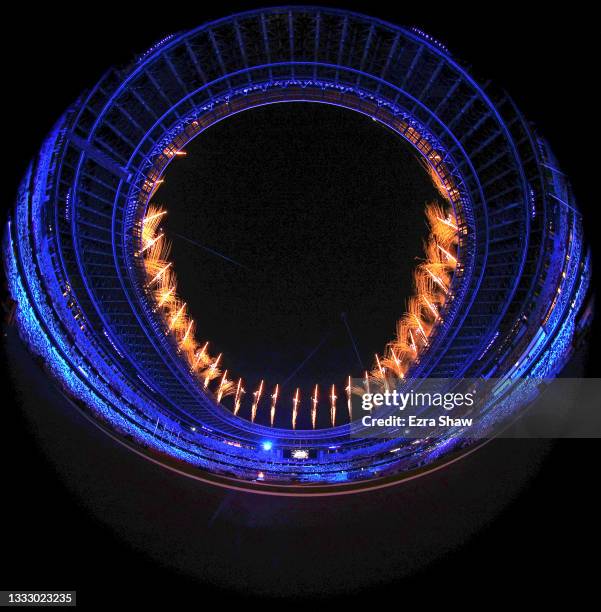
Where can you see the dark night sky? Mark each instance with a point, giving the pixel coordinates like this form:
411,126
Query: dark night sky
77,512
324,208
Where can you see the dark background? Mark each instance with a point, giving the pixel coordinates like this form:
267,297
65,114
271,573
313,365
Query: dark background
78,513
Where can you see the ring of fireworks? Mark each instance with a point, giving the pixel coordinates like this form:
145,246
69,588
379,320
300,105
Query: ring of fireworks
501,291
432,282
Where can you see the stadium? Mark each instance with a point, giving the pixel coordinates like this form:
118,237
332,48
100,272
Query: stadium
503,293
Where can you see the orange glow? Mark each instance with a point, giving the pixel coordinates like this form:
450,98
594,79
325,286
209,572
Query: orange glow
432,280
161,284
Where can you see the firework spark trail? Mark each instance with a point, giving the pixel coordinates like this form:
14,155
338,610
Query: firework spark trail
380,368
274,399
158,275
380,373
154,216
212,371
155,185
333,398
413,345
201,356
432,281
450,258
162,285
238,398
226,387
151,243
349,398
448,222
219,393
187,334
435,277
430,306
256,398
397,363
165,296
176,316
295,402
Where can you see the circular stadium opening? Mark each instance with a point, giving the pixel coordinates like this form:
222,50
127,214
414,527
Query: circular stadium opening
295,231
